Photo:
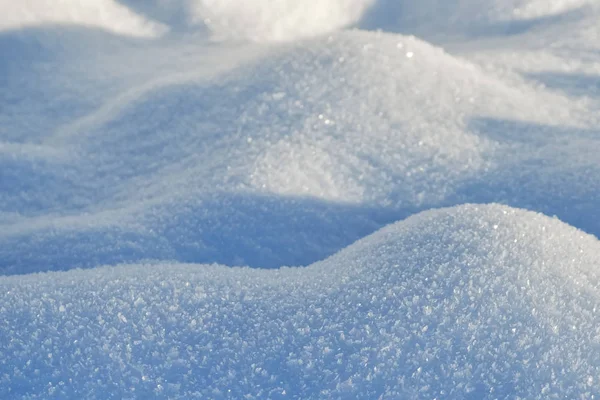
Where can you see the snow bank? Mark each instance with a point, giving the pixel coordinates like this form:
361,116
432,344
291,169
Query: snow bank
466,302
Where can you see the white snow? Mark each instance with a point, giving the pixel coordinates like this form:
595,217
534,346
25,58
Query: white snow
466,302
315,145
279,20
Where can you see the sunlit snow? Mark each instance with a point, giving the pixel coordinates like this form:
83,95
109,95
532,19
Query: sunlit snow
362,199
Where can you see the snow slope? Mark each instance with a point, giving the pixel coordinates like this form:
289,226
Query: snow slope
295,155
188,139
465,302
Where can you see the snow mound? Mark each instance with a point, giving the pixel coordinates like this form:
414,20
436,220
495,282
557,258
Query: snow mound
468,302
281,162
105,14
386,119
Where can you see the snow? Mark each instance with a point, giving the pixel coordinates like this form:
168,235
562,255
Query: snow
281,20
282,200
276,150
465,302
440,19
109,15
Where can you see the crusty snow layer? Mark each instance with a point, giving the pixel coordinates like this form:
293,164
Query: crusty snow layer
467,302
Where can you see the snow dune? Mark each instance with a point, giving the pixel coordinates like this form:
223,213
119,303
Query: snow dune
213,146
288,158
466,302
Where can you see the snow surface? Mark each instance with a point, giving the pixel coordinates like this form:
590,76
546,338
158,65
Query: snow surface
466,302
184,138
104,14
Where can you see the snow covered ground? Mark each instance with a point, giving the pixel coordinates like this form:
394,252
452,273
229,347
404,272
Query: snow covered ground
330,199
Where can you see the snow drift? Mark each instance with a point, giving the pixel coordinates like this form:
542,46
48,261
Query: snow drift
468,302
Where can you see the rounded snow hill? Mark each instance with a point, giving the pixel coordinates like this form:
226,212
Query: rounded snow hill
474,301
282,162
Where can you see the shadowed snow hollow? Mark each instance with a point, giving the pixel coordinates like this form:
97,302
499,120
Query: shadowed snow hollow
471,302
